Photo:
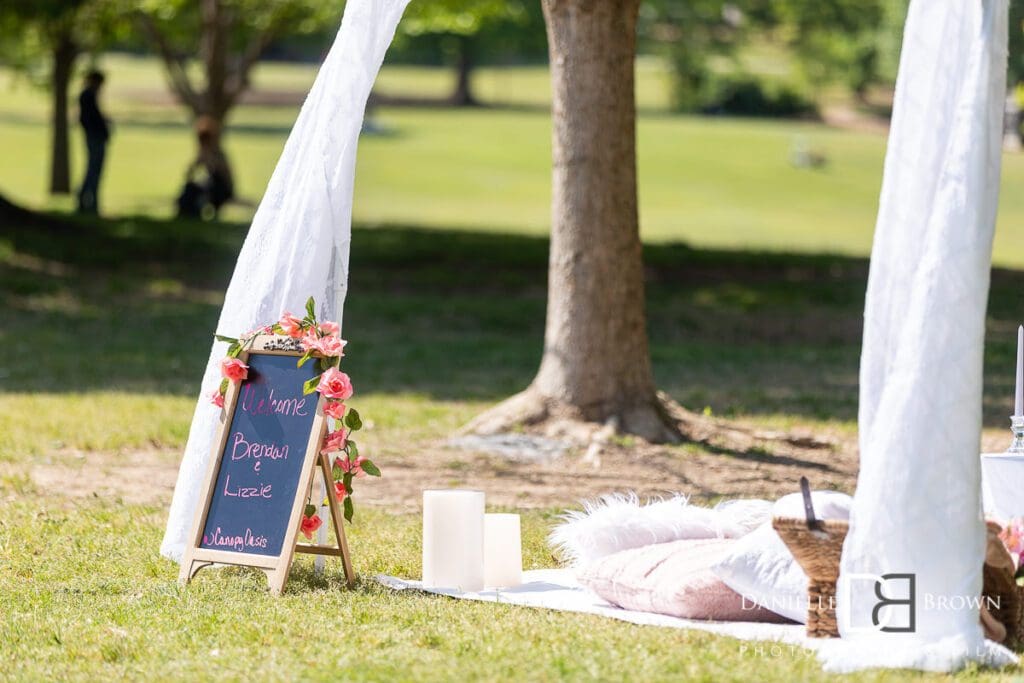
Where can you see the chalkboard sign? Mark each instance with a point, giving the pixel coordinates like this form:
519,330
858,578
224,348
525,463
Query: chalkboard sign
262,467
262,461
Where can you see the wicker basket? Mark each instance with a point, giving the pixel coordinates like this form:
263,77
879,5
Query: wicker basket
817,549
818,546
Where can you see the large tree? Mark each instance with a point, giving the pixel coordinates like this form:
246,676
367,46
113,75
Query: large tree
227,37
596,365
45,39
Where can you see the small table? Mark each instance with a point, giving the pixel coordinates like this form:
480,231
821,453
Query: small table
1002,485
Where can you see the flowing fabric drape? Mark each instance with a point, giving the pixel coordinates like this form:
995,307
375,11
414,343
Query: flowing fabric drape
917,507
298,244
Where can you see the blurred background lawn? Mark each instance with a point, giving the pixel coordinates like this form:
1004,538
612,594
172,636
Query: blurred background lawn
707,181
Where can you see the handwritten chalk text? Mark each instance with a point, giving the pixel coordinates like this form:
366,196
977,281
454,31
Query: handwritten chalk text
242,449
264,491
239,542
258,401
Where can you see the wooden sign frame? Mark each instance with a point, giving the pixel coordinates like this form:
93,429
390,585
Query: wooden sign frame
276,567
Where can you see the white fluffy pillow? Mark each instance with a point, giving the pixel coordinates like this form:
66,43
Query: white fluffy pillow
760,566
619,522
827,505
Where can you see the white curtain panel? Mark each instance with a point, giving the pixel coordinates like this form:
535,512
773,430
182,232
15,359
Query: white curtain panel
917,508
298,244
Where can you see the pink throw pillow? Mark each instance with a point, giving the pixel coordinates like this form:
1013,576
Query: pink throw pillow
675,579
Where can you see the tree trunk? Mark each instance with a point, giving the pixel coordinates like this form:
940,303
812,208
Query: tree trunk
596,364
463,94
65,52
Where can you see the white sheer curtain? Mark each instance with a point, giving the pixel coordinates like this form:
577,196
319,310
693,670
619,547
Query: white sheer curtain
298,244
917,508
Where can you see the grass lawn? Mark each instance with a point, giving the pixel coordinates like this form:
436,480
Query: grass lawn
106,326
708,182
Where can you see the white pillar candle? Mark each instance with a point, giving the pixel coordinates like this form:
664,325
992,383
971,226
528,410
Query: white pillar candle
1018,399
453,540
503,551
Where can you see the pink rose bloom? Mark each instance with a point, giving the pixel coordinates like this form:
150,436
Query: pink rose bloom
330,347
355,467
234,369
335,384
309,525
290,325
217,398
330,329
340,491
335,409
335,441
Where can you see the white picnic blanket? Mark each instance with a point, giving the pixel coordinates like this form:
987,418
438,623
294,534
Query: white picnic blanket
558,589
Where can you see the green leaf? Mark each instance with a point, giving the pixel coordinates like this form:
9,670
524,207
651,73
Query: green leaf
336,472
370,468
221,337
311,308
324,363
306,356
352,420
234,349
224,385
349,510
310,510
309,386
347,481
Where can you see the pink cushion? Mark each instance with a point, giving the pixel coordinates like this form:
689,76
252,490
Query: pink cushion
672,578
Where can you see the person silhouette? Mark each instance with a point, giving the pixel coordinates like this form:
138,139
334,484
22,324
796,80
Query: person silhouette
208,181
97,133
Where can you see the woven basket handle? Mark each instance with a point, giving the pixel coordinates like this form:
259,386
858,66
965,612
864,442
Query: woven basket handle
805,489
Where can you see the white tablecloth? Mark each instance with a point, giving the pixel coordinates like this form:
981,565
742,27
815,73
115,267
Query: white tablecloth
1002,485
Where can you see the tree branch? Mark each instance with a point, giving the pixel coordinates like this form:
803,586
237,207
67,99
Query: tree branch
239,80
176,72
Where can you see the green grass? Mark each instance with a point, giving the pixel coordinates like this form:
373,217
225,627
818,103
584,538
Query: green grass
106,338
85,598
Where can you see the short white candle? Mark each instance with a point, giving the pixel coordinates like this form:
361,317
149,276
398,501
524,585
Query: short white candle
503,551
453,540
1018,402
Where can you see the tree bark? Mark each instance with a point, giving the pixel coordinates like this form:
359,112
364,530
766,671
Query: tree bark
463,94
596,363
65,52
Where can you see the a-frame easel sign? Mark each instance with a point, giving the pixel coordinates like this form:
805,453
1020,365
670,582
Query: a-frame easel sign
262,468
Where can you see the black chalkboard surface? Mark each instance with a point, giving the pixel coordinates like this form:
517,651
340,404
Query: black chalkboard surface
263,458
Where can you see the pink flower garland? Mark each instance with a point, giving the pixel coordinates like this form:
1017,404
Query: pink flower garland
321,341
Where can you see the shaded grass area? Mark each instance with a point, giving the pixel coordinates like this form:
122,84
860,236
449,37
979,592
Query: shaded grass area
108,317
